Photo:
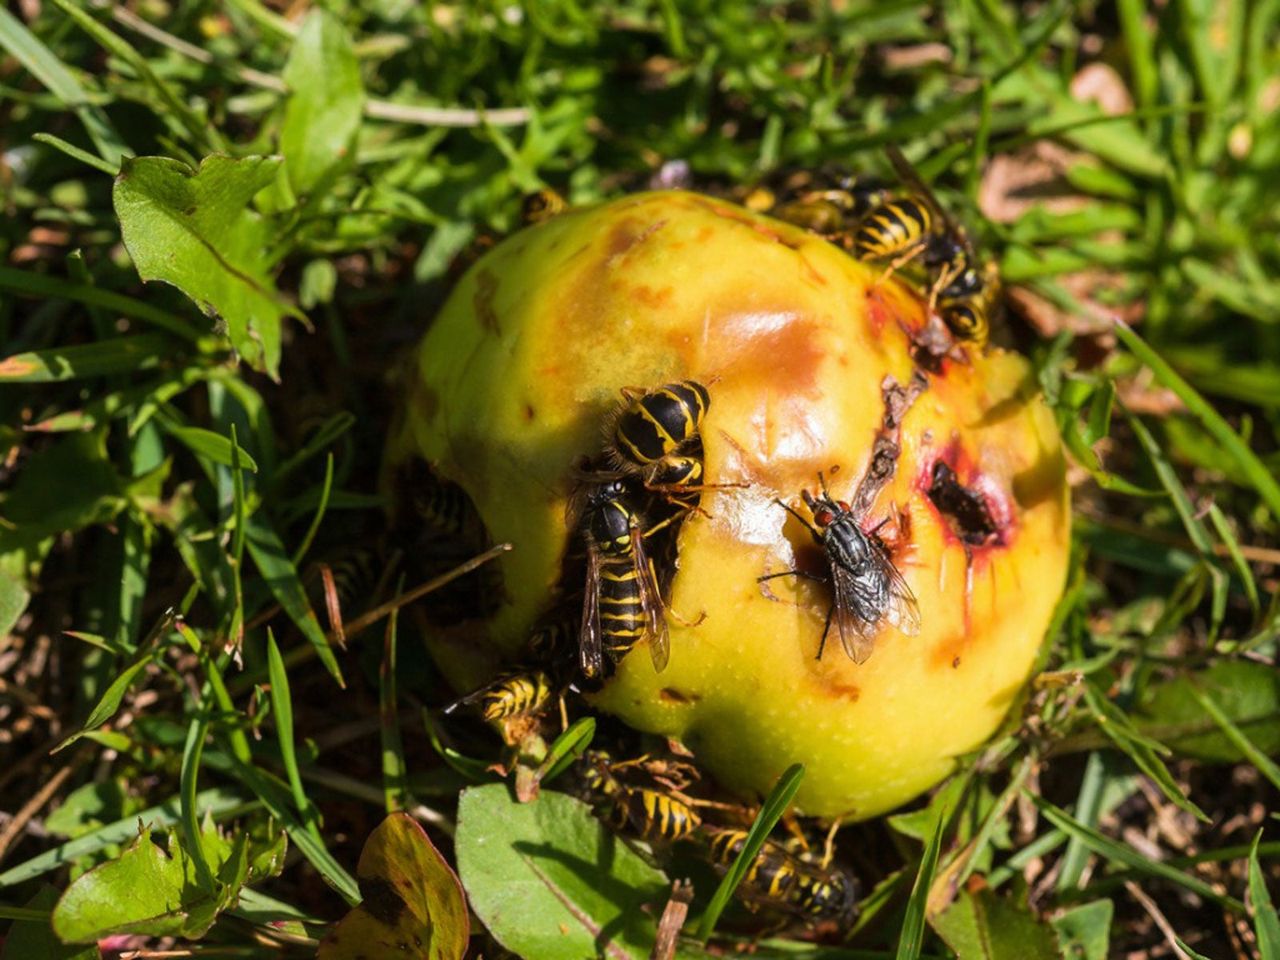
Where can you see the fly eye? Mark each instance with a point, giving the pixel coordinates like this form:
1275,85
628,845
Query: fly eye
823,517
843,506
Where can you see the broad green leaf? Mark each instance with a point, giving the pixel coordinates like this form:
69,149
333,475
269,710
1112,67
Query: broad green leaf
197,230
157,891
64,487
34,939
549,881
86,809
412,904
326,99
1265,920
1084,932
986,926
118,355
212,446
1248,694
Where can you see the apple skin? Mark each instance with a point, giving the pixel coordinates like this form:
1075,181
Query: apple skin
794,339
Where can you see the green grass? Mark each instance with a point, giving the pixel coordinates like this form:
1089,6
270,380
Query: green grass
181,456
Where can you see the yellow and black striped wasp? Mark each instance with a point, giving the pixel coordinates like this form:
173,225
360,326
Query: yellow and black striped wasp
621,605
824,202
964,288
654,433
541,206
657,811
867,589
534,682
777,879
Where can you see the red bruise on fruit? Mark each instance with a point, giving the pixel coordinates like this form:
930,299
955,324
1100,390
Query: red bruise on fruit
795,342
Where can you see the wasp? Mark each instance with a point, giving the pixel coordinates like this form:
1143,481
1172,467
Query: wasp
530,686
965,289
866,586
653,428
541,206
656,815
622,605
824,202
967,303
777,879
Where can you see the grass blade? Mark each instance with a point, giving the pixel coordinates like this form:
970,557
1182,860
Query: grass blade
56,365
1265,919
911,936
1110,849
1266,766
393,764
75,153
567,748
282,708
23,283
41,63
218,803
771,812
325,490
1262,479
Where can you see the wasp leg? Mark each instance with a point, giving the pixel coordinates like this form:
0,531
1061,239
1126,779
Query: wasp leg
902,259
792,573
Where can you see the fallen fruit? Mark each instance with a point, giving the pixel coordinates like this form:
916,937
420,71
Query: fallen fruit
800,347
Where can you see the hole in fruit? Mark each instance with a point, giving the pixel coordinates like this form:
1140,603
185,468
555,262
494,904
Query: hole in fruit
966,510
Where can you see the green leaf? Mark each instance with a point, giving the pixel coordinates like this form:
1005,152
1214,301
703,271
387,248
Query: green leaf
118,355
155,891
34,939
64,487
771,811
13,600
1248,694
1265,920
549,881
1084,932
326,99
196,229
1266,766
986,926
215,803
413,903
109,702
86,809
212,446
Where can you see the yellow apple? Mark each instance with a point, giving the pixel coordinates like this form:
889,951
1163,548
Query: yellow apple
794,340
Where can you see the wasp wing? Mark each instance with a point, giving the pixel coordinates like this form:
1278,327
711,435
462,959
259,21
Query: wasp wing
853,614
590,649
651,603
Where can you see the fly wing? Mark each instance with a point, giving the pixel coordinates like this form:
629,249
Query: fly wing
903,610
857,632
590,650
651,602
